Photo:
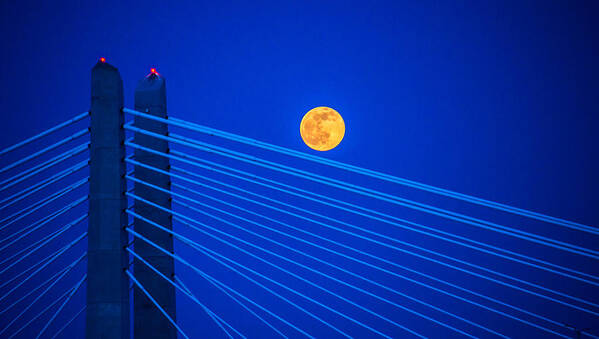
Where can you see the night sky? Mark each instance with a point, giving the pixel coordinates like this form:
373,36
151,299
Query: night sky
493,99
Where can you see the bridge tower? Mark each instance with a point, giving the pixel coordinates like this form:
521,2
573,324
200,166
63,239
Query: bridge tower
150,98
107,285
108,298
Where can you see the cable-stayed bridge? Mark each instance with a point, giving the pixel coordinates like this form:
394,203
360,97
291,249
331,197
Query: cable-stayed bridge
113,218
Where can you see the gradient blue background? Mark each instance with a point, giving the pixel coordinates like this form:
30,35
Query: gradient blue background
494,99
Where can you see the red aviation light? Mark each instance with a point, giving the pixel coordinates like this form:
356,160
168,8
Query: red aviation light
153,72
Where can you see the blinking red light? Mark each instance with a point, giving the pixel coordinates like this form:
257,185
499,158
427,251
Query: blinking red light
153,70
102,59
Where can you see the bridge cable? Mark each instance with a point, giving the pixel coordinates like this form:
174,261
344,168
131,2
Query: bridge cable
16,197
211,254
69,322
44,150
215,318
476,222
304,196
358,213
269,279
41,285
223,288
305,280
42,294
52,259
35,289
323,197
433,260
200,272
9,259
28,173
149,296
43,202
395,224
50,216
44,133
60,308
45,241
396,274
40,222
364,171
377,195
30,268
303,253
210,313
44,310
390,178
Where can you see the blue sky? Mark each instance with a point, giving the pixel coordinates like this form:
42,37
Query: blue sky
493,99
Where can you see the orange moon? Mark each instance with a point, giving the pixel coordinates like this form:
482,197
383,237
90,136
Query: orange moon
322,128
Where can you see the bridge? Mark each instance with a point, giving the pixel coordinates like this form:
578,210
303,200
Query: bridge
115,218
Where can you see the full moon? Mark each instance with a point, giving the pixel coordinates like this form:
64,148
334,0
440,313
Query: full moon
322,128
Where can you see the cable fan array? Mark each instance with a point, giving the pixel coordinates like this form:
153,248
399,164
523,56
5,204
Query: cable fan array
275,241
43,224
